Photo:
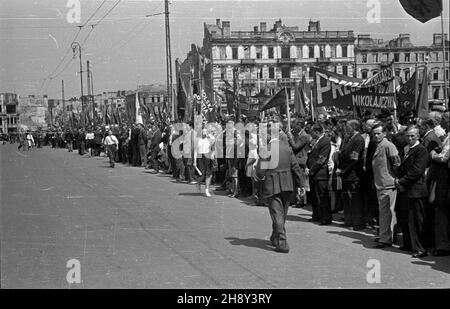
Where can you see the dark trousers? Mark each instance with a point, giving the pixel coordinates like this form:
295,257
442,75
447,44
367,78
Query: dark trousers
321,201
143,154
416,218
353,204
81,148
278,208
442,228
401,211
178,170
124,154
154,160
111,151
188,169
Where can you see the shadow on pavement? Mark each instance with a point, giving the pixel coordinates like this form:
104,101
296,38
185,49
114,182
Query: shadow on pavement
251,242
191,194
365,240
441,263
298,218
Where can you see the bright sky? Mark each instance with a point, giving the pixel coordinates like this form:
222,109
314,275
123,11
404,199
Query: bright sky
126,49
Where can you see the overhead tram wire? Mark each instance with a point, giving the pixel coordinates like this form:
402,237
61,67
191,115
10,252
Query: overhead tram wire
99,21
50,76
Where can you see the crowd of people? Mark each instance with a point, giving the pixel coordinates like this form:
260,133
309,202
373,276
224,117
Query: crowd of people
380,173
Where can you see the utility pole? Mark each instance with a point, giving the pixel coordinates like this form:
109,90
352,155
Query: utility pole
63,101
92,98
443,60
89,95
76,46
169,61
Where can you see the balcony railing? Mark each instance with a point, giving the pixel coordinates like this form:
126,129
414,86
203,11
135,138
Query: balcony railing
286,61
248,61
297,34
323,60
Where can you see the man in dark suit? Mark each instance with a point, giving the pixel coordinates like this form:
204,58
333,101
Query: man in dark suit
154,148
350,168
142,144
280,173
431,142
411,181
317,170
300,142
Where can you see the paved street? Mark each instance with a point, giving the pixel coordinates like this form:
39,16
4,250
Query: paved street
131,229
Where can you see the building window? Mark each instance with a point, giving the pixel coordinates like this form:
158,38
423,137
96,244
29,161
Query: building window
407,57
364,58
1,121
397,57
270,52
286,72
407,75
311,51
258,52
235,52
272,72
420,57
322,51
446,56
344,52
0,109
223,52
333,51
364,74
436,56
246,52
436,74
385,57
374,72
398,72
11,109
447,75
223,73
375,58
285,52
344,69
436,92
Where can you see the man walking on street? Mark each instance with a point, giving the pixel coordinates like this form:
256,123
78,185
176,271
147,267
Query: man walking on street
111,144
279,183
385,163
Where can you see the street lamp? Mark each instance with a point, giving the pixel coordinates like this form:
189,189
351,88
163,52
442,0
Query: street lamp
77,47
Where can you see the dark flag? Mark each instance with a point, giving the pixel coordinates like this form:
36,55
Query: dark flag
407,95
278,100
422,104
230,98
422,10
114,116
299,101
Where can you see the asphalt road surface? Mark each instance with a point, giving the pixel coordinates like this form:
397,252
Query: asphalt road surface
132,229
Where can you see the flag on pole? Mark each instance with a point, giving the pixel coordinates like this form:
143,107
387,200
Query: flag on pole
407,95
138,110
299,101
422,10
278,100
422,105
